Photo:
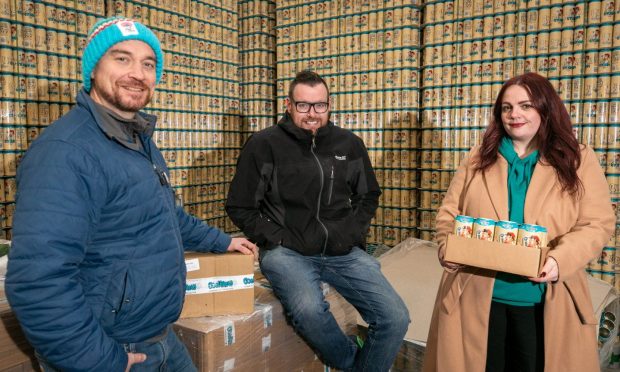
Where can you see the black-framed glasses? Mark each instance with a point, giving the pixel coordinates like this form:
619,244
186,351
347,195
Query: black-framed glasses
304,107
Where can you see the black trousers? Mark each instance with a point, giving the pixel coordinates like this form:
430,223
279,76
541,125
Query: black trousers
516,339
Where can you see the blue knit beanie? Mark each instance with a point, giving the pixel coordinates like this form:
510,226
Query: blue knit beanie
110,31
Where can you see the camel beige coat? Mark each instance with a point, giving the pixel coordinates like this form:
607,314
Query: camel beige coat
577,231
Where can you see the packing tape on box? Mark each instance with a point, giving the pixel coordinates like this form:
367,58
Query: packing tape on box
266,343
229,336
267,316
218,284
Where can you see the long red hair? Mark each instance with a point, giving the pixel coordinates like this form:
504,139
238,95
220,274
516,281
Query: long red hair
557,145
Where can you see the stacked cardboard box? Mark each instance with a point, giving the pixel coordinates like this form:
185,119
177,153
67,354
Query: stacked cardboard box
16,354
218,284
260,341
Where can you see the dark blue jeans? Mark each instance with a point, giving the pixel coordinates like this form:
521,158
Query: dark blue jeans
165,355
296,280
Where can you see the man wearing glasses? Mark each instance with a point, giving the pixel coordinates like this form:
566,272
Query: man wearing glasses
305,192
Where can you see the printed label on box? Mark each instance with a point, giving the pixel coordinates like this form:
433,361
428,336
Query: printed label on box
192,264
229,364
218,284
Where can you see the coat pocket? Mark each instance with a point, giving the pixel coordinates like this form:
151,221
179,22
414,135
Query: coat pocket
116,304
580,295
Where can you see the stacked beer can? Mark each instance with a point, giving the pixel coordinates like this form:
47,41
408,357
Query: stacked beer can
368,52
258,69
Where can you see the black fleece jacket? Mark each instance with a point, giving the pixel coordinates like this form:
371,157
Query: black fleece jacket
315,195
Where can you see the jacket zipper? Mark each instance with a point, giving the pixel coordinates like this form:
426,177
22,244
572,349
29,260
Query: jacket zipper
318,204
165,182
331,187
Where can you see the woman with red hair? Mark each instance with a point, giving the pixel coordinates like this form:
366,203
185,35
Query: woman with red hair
528,169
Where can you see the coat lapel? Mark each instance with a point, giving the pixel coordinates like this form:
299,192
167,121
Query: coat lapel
496,181
543,180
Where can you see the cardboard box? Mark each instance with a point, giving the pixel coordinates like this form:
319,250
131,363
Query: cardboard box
218,284
508,258
260,341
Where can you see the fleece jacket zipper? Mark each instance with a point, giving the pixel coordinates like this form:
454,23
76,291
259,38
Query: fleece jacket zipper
318,204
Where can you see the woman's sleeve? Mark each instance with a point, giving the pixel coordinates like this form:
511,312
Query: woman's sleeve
451,204
596,221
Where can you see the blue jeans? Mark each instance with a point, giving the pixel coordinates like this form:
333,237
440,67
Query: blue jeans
165,355
296,280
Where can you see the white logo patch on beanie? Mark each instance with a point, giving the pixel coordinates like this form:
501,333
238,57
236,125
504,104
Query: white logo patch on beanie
127,28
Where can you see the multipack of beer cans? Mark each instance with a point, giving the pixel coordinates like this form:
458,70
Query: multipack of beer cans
507,232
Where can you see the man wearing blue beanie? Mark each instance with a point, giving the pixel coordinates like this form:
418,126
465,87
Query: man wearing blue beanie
96,271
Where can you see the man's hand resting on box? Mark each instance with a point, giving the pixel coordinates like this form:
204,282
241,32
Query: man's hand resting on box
244,246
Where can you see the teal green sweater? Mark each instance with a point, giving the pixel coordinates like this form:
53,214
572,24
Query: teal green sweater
509,288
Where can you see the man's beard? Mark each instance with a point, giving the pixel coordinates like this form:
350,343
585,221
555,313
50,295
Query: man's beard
124,102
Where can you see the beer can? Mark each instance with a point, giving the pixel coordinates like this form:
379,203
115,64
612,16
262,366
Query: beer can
9,189
506,232
586,135
446,177
601,131
483,229
593,37
54,112
531,44
44,113
569,64
425,199
567,40
613,135
607,36
533,236
589,88
522,19
594,12
27,37
543,42
589,112
614,111
608,257
577,15
608,11
603,89
463,226
32,113
426,179
590,62
604,62
610,278
615,57
555,41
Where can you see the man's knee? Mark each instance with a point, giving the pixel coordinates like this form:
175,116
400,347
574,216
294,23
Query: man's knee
394,316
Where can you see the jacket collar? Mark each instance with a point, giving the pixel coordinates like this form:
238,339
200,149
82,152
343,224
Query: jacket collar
303,135
84,100
496,178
